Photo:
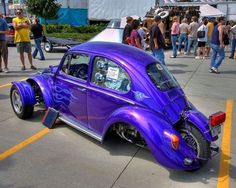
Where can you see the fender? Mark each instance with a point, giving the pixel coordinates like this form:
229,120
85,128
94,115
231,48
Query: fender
201,122
153,128
26,92
45,83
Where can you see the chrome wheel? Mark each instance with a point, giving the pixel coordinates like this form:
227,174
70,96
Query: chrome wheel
47,46
16,102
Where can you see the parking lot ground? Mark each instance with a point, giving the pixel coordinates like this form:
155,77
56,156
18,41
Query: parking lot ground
64,157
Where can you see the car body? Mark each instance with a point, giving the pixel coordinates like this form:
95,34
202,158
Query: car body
103,87
11,31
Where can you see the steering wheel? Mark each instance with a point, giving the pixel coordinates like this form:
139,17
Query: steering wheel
81,72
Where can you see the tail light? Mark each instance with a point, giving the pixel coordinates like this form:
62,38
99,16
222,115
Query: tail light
217,118
173,139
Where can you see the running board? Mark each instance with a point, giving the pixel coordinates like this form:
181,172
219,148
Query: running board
80,128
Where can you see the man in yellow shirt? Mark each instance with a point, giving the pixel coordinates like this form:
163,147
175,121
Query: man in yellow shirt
210,27
22,37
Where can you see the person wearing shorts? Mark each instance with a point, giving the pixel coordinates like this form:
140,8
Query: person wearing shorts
202,41
22,37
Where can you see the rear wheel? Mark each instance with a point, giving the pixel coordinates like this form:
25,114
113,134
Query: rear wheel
22,111
193,137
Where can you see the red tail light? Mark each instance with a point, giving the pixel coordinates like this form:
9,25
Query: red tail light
217,118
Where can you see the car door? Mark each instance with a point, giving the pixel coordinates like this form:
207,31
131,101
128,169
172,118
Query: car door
70,89
109,90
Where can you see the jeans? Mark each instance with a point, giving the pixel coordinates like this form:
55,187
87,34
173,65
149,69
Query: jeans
233,45
183,38
192,41
216,61
159,55
38,48
174,46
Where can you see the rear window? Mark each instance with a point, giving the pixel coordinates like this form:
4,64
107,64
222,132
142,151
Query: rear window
161,77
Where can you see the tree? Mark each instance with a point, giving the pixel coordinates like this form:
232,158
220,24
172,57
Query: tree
46,9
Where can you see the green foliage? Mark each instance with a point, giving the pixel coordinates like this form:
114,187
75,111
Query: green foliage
81,33
64,28
46,9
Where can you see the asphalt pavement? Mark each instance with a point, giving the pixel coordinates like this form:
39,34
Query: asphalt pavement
33,157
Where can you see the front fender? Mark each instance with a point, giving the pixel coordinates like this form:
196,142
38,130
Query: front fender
26,92
154,128
201,122
45,82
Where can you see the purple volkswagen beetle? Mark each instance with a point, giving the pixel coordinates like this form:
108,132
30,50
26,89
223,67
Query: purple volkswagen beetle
104,87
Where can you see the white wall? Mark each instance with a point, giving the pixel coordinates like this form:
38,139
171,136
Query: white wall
110,9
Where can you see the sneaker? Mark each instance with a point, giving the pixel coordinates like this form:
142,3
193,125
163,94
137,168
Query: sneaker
215,70
33,67
172,56
197,57
178,53
23,68
42,59
210,70
185,53
6,70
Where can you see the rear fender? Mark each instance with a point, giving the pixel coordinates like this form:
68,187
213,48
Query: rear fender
26,92
154,129
45,83
201,122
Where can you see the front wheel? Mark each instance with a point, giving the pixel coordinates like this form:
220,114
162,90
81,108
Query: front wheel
22,111
193,137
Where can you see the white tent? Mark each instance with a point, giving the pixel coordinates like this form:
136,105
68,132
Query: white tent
208,10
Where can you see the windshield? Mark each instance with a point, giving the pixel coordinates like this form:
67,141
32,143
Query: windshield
161,77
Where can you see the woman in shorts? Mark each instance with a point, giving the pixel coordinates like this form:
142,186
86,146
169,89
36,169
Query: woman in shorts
202,41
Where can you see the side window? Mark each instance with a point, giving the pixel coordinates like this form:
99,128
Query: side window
76,65
108,74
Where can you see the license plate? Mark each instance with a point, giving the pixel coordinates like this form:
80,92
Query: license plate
216,130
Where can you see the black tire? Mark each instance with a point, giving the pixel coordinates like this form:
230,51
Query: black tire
23,112
48,46
195,140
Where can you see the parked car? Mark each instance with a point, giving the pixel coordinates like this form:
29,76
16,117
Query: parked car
11,32
104,87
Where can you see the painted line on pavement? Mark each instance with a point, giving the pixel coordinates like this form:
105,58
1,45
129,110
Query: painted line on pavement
23,144
9,84
223,175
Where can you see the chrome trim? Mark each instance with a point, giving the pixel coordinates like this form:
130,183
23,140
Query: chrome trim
80,128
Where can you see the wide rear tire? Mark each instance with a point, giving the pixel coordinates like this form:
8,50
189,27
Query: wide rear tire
194,138
22,111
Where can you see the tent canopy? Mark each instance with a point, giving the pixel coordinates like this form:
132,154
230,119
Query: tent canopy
208,10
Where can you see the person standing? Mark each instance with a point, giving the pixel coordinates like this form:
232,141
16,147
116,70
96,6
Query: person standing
192,37
210,28
127,30
21,25
3,45
135,39
233,42
202,40
157,42
37,30
217,46
174,35
183,27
